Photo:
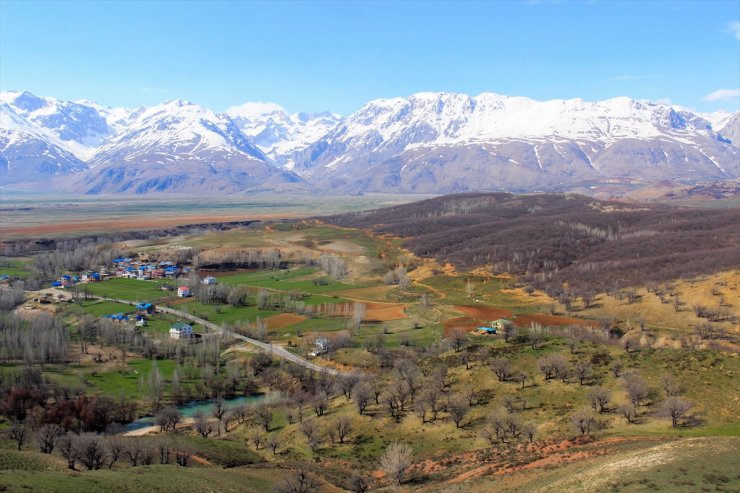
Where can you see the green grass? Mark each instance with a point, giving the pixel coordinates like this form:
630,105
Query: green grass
15,267
284,280
130,289
145,479
221,314
101,308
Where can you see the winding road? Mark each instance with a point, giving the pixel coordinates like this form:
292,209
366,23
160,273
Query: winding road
278,351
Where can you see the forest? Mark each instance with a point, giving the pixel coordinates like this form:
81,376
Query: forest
551,239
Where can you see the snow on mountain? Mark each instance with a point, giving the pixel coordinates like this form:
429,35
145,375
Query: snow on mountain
78,127
176,130
179,146
454,142
278,134
27,154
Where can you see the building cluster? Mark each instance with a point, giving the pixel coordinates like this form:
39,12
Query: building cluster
141,268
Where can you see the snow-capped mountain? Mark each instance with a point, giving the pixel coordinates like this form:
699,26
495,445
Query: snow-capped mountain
445,142
428,142
280,135
181,145
29,155
79,127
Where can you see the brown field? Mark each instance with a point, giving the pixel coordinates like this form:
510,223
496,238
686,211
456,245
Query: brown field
484,313
466,323
384,312
375,293
103,225
283,320
549,320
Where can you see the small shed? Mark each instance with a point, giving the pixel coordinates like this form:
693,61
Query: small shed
209,281
183,291
145,308
502,323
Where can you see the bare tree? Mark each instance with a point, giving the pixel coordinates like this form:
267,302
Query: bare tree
115,448
583,371
312,434
218,411
629,412
617,367
584,420
502,368
359,483
363,393
671,385
90,450
18,432
458,338
47,437
599,398
66,446
457,407
396,460
264,417
300,482
676,408
343,427
274,441
202,424
168,419
638,389
258,438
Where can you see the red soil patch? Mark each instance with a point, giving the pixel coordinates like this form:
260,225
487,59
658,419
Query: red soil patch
466,323
549,320
383,312
283,320
485,313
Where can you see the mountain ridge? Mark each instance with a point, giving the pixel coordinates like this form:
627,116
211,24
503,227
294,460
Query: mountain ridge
427,142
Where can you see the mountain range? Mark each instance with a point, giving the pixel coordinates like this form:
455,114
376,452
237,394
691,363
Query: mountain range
425,143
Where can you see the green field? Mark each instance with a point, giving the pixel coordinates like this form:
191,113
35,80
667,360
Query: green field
130,289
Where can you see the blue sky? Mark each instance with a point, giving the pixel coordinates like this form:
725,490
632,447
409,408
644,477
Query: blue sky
310,56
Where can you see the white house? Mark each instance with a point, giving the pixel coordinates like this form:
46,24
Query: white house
181,330
208,281
183,291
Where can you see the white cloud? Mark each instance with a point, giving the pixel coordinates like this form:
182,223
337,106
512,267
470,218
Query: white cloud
722,95
734,29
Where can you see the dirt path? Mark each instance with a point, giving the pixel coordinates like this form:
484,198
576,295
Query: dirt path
278,351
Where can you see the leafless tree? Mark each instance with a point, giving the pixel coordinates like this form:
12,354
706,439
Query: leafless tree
396,460
115,448
202,424
629,412
168,419
584,420
599,398
66,447
502,368
264,416
274,441
458,338
348,382
583,371
671,385
300,482
676,408
638,389
363,393
258,438
47,437
359,483
457,407
344,427
18,432
617,367
312,434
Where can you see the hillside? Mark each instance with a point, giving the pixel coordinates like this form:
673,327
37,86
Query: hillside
553,239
